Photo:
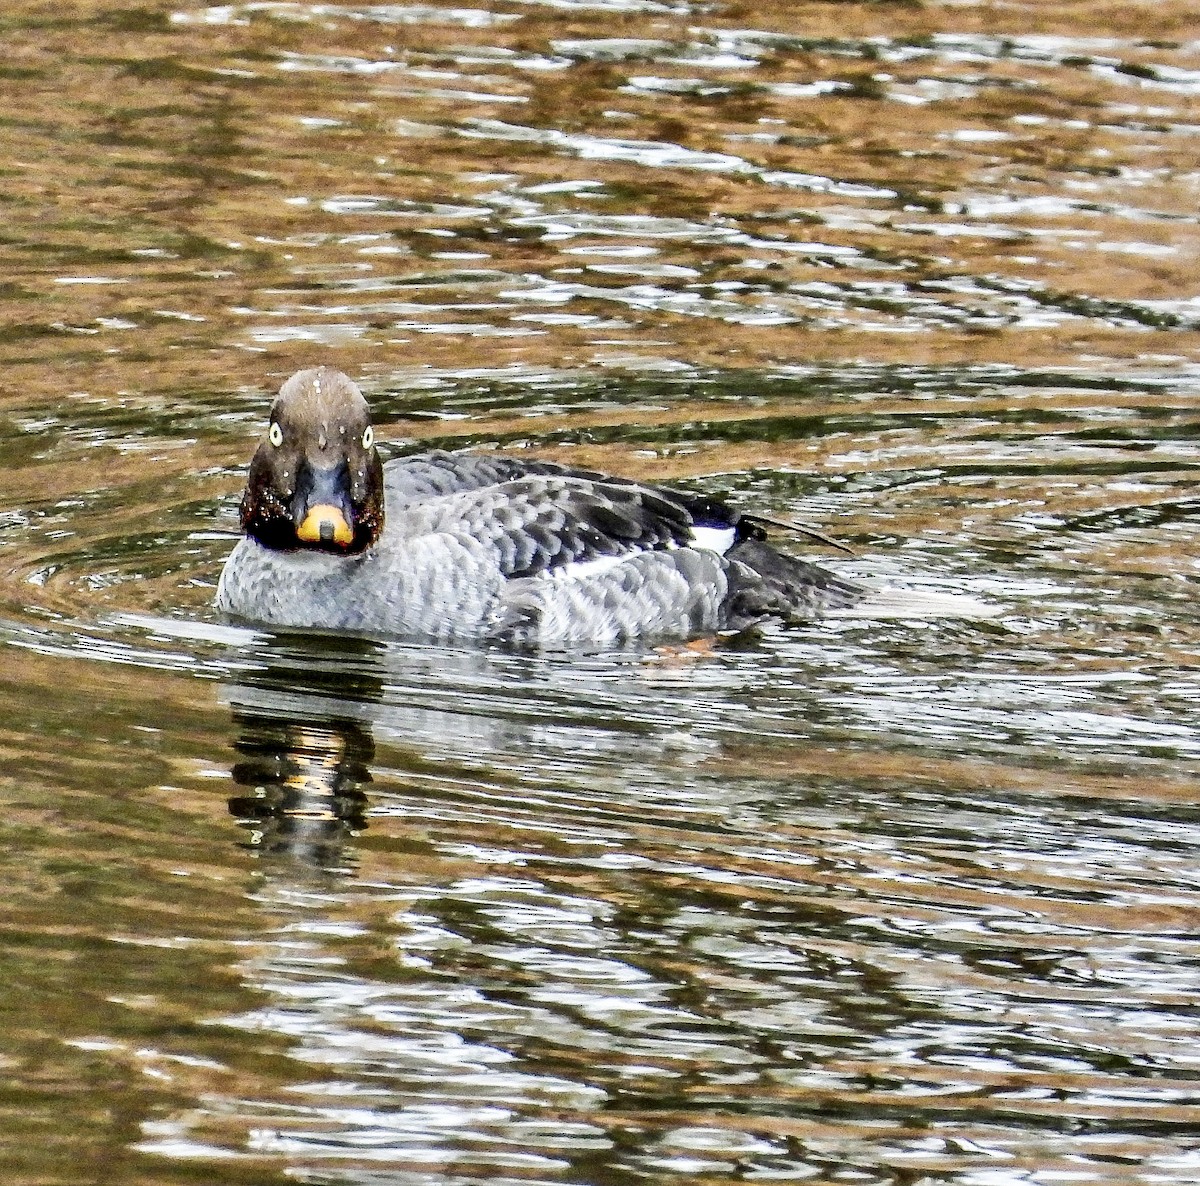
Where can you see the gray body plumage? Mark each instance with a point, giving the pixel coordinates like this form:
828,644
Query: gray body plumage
495,548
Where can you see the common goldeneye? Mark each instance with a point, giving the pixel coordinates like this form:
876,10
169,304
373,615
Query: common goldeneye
488,547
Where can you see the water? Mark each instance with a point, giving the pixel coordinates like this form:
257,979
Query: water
880,900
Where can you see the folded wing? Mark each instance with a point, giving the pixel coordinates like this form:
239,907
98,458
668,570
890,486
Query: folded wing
536,516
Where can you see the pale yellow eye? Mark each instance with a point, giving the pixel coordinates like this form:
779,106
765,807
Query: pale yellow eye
368,437
275,435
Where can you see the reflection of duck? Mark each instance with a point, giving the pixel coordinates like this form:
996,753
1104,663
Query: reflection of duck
303,785
488,547
305,745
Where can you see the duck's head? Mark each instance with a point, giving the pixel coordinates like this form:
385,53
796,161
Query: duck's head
316,480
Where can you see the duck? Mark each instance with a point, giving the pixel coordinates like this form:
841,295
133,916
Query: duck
481,547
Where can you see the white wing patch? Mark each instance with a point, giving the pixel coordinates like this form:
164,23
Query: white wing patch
578,570
714,539
708,539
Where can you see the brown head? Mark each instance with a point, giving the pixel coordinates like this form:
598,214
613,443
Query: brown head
316,480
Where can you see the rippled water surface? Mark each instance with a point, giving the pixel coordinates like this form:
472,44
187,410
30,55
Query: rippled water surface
893,898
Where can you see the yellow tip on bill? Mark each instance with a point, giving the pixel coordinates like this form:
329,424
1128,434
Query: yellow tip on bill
325,524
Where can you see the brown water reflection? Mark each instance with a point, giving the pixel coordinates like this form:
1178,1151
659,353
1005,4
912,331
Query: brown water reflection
589,185
896,901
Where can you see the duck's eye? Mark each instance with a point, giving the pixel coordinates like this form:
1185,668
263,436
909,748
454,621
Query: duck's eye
368,437
275,435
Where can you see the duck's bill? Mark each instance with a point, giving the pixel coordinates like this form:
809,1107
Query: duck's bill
325,524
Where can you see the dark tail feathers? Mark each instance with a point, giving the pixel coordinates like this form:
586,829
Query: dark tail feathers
765,584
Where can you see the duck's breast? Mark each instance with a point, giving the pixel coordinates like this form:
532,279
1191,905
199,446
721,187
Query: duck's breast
432,587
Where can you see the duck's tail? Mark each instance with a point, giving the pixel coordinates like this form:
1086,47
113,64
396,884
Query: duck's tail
767,584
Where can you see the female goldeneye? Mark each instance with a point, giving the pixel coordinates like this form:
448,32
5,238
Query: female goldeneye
486,547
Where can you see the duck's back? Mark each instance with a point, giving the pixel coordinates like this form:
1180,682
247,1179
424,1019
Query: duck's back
586,557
